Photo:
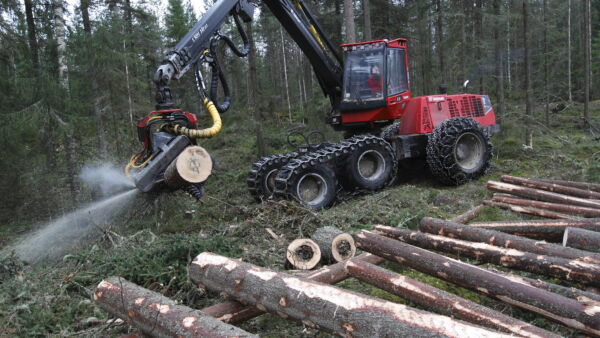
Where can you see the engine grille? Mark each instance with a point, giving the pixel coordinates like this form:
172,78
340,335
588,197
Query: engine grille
467,106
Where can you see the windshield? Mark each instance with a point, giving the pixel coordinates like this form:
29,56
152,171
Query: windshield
363,72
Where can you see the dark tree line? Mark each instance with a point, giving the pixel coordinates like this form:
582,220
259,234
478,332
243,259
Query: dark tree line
73,80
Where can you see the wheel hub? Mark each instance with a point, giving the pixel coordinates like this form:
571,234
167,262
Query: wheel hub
312,189
468,151
270,181
371,165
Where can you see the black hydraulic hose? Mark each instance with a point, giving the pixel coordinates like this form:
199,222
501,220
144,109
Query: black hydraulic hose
246,49
217,75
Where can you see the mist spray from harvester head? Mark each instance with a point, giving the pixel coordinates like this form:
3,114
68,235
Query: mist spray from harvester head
70,231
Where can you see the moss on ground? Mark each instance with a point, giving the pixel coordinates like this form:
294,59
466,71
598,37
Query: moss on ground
153,244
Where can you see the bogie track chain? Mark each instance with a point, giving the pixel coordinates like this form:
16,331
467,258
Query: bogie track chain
332,155
261,168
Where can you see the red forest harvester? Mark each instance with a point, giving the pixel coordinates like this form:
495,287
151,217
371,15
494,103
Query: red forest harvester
369,90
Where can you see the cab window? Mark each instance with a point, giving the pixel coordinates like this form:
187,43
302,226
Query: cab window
363,75
397,81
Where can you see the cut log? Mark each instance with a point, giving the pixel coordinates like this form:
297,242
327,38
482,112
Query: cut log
303,254
528,211
335,245
562,208
567,311
235,312
582,239
501,239
542,229
579,185
468,215
156,315
541,195
442,302
566,269
322,306
193,165
557,188
584,297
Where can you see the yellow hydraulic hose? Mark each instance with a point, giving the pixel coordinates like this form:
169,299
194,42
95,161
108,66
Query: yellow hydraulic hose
203,133
311,28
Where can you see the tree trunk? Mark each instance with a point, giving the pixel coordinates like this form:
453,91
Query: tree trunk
255,92
193,165
553,187
320,305
440,40
32,36
85,16
543,229
235,312
580,272
478,41
156,315
335,245
586,62
285,75
546,93
527,210
367,16
349,21
541,194
552,306
442,302
469,215
582,239
498,59
497,238
569,51
562,208
303,254
528,85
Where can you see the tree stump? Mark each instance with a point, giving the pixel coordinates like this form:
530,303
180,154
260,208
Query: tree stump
335,245
303,254
193,165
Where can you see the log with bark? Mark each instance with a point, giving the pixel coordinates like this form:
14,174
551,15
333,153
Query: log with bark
193,165
335,245
579,185
469,214
566,269
156,315
582,239
541,195
303,254
322,306
235,312
442,302
553,187
584,297
561,208
567,311
527,210
542,229
501,239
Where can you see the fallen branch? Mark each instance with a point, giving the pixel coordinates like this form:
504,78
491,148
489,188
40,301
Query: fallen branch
156,315
469,214
440,301
555,307
501,239
320,305
565,269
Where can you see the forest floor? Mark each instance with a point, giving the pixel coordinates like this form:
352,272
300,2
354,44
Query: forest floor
152,243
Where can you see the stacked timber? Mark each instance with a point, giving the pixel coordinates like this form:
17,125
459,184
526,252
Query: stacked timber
582,239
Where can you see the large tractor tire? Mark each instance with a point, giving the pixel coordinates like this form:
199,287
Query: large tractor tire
371,165
390,132
261,178
458,151
313,186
